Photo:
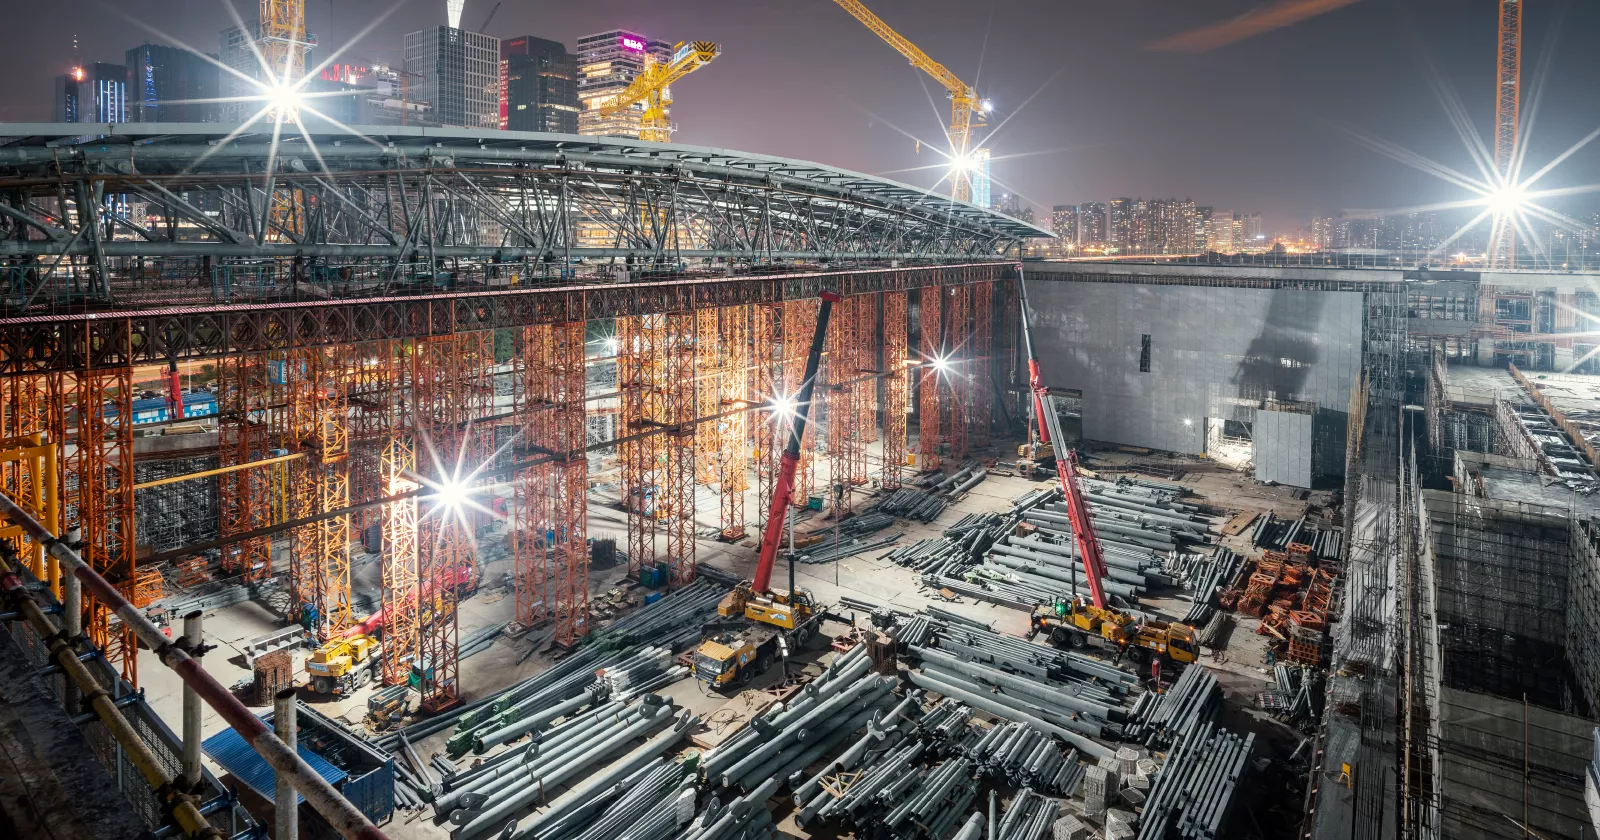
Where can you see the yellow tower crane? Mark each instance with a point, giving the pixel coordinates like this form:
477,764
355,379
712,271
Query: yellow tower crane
966,110
652,87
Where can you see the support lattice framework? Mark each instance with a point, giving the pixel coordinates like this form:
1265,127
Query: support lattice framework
242,391
799,323
1508,108
982,369
733,430
929,309
399,571
957,382
549,543
101,500
711,363
869,363
675,493
320,425
767,350
639,360
896,349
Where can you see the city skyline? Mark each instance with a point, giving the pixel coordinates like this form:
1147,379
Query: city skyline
1287,157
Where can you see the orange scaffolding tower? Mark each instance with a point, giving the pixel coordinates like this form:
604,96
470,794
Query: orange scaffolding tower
549,542
768,362
675,503
869,365
245,495
895,353
929,376
841,415
320,423
639,361
958,378
982,369
711,364
733,429
399,570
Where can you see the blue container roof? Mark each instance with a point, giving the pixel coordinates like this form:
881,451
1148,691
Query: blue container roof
228,749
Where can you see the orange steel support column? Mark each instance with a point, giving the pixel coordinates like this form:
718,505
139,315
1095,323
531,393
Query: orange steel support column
710,363
442,369
328,578
838,368
399,570
957,335
768,358
676,490
733,431
639,371
569,485
372,387
982,367
895,352
870,348
863,312
242,438
928,386
299,430
103,464
531,520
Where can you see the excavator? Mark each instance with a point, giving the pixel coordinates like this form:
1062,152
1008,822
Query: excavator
1078,623
756,625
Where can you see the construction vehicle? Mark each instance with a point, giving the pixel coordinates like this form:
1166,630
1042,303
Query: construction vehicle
340,666
652,87
756,624
1077,623
967,111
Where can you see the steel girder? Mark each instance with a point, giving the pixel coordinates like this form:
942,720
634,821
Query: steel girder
58,343
408,197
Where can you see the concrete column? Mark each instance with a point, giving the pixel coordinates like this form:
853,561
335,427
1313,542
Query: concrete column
286,800
192,640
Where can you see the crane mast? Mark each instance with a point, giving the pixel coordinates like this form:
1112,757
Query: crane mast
1508,102
784,489
1066,464
651,87
965,111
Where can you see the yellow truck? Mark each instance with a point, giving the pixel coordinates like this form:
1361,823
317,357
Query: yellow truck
341,666
755,631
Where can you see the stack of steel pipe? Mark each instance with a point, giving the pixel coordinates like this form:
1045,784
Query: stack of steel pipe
1087,676
480,640
636,806
744,818
831,550
911,503
588,745
1024,756
1204,577
1029,817
1195,789
1193,699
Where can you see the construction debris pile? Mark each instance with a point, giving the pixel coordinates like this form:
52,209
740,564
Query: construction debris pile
1296,696
1205,577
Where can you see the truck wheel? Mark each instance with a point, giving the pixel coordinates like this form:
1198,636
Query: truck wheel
322,685
763,663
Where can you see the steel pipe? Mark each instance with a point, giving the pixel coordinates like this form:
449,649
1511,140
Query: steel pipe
285,800
191,777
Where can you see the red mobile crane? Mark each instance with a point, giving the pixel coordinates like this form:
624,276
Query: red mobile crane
730,652
1074,624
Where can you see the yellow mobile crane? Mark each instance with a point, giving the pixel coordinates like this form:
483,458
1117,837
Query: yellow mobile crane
966,109
652,88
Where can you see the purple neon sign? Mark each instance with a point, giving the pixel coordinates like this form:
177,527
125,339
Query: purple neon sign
635,44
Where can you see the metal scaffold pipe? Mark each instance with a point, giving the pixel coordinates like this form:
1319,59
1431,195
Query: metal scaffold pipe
344,817
286,803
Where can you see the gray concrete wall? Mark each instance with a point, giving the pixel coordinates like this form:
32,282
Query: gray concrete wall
1283,447
1214,352
1484,742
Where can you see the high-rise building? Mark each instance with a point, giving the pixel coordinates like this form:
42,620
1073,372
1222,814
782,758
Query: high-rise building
1219,236
171,84
241,52
607,63
1008,204
1064,223
1120,228
460,74
982,181
1171,226
1322,232
94,93
538,86
1092,223
1251,223
1202,228
1141,226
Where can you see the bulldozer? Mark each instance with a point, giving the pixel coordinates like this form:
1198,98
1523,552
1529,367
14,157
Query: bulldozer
340,666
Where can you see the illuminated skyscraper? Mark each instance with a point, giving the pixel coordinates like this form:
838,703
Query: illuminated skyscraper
1202,228
1092,223
538,86
171,84
1120,227
95,93
982,184
460,75
607,63
1219,237
1064,223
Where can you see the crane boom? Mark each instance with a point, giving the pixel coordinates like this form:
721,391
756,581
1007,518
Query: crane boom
650,87
1508,106
965,113
1094,563
783,492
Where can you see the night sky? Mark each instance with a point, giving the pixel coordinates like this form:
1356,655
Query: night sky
1259,125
